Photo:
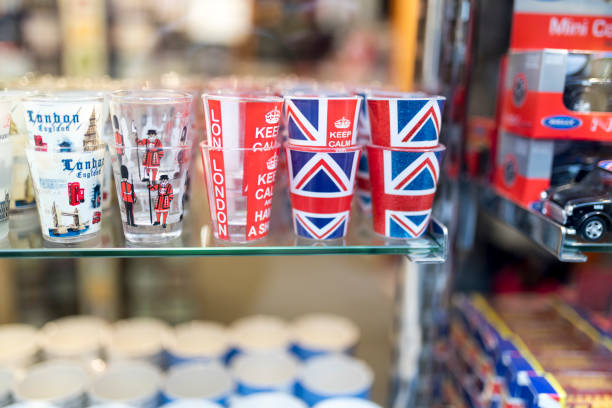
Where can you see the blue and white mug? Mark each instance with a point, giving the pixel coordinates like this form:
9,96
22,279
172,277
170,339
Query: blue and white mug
197,341
209,381
319,334
256,373
269,400
334,376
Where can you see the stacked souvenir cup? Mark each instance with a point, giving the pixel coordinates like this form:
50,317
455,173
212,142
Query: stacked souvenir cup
6,160
151,156
404,157
66,159
322,159
240,158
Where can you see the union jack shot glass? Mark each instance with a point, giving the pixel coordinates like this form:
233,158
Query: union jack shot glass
403,184
405,120
322,183
322,121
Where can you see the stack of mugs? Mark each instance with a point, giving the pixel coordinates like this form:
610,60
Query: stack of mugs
151,155
403,157
66,159
322,159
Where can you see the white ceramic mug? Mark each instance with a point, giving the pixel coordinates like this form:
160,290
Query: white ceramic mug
6,385
139,338
75,337
260,334
197,341
318,334
269,400
204,381
58,382
134,383
347,403
18,345
334,376
270,372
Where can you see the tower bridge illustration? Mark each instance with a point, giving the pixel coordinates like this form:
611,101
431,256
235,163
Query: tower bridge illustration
61,230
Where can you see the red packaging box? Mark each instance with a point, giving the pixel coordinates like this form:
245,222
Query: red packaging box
568,24
558,94
522,167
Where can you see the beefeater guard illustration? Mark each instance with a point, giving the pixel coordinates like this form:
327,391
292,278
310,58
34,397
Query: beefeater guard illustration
152,156
165,195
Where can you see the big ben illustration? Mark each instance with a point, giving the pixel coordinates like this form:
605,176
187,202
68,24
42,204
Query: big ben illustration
90,139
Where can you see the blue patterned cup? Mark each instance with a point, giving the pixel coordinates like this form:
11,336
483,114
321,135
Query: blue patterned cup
334,376
255,373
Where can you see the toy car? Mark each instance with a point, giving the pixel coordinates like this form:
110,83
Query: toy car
585,208
590,88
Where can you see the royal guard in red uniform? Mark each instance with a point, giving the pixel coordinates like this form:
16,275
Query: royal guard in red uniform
120,145
128,196
165,195
153,155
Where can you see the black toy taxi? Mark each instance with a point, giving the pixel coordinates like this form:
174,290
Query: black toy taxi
585,207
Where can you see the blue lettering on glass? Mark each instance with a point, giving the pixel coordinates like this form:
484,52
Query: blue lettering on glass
52,122
85,169
561,122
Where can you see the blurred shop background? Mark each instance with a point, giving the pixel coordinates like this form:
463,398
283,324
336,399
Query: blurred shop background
352,41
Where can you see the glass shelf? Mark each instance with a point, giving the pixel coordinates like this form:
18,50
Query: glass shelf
551,236
25,241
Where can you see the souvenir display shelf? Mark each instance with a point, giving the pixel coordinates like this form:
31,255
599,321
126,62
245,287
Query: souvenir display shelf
549,235
25,241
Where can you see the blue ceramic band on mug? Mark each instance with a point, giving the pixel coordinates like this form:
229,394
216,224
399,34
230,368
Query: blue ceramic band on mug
334,376
255,373
209,382
319,334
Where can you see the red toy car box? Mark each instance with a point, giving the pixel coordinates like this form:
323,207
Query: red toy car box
523,167
558,94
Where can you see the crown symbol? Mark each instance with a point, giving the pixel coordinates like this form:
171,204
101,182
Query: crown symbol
272,162
273,116
342,123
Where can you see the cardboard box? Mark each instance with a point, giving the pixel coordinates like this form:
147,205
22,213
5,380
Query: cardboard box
567,24
523,167
558,94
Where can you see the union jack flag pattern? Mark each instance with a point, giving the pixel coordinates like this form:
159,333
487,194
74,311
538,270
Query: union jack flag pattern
606,165
322,122
409,123
322,187
403,188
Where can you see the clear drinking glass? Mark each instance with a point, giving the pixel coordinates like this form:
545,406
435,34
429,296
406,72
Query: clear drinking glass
150,184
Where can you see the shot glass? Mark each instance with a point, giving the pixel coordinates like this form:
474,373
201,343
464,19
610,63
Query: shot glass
150,119
150,184
197,341
319,334
260,334
322,183
404,183
18,345
334,376
236,120
22,189
405,120
266,372
199,381
57,382
64,122
268,400
68,188
322,121
134,383
240,186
